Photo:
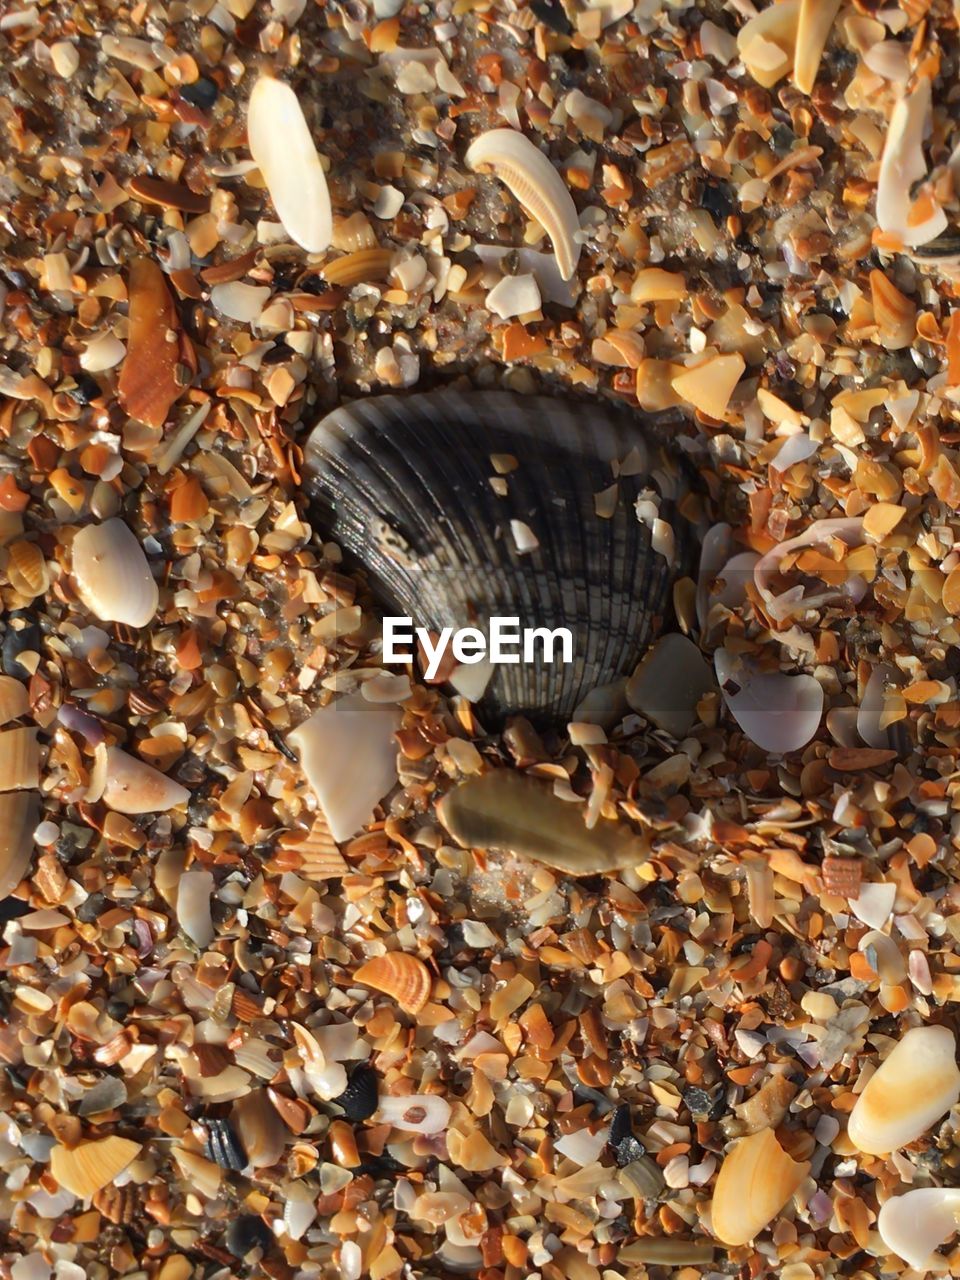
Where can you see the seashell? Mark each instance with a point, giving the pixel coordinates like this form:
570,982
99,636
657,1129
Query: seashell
247,1232
133,787
669,683
320,859
895,314
348,754
778,712
281,144
533,181
509,811
117,1204
870,711
19,759
27,570
916,1084
89,1166
19,816
112,574
148,384
404,485
299,1209
359,1099
14,699
755,1181
359,267
916,1224
223,1146
767,43
259,1128
709,385
813,28
193,906
401,976
239,301
902,166
107,1094
415,1112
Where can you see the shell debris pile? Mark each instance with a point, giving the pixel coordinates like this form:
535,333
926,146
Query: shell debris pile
307,968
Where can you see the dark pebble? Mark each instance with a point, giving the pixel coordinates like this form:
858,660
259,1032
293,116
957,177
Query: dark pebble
87,389
551,14
224,1147
622,1142
202,94
247,1233
92,908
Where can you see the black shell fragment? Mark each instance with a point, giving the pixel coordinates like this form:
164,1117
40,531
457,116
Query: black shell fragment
246,1233
360,1098
223,1146
404,485
625,1147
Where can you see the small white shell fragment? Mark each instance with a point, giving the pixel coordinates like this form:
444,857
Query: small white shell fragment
534,182
871,707
132,786
415,1112
525,540
874,903
916,1084
583,1147
915,1224
112,574
514,296
778,712
102,353
299,1210
65,57
193,906
281,144
902,165
668,684
349,757
543,266
239,301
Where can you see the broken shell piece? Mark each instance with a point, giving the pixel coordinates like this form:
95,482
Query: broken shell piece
778,712
281,144
902,166
133,787
709,385
530,177
514,296
193,906
148,384
870,711
415,1112
915,1224
912,1088
755,1181
401,976
19,815
508,811
349,757
768,41
14,699
259,1128
112,574
19,759
87,1168
669,683
813,27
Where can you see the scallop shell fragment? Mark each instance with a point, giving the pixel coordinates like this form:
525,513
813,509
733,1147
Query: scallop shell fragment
404,485
281,144
19,815
112,574
87,1168
912,1088
755,1181
516,814
914,1225
348,754
133,787
530,177
401,976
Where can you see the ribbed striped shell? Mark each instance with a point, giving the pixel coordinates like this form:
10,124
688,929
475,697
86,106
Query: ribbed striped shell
403,485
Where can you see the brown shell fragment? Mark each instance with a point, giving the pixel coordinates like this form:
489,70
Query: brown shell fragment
14,699
148,383
19,815
508,811
19,759
401,976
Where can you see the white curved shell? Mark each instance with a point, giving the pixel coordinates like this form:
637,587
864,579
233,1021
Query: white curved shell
133,787
112,575
912,1088
915,1224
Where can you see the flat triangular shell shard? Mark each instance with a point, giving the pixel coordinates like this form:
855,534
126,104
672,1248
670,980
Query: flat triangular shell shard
404,485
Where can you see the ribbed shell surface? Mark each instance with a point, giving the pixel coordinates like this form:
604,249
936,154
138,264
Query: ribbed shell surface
403,484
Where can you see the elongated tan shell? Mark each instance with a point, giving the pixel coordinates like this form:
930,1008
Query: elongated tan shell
767,43
915,1224
530,177
508,811
755,1181
19,816
86,1168
912,1088
134,787
813,28
14,699
281,144
19,759
401,976
112,574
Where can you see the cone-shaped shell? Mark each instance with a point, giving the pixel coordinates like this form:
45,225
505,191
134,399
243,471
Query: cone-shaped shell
508,811
912,1088
90,1166
112,574
467,506
400,976
914,1225
134,787
756,1180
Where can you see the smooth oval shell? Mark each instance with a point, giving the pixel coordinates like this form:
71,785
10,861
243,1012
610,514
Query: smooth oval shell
400,976
755,1181
916,1084
134,787
508,811
404,485
86,1168
112,574
915,1224
778,712
260,1129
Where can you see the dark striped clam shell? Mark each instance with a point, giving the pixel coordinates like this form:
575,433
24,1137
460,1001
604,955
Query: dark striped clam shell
403,484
